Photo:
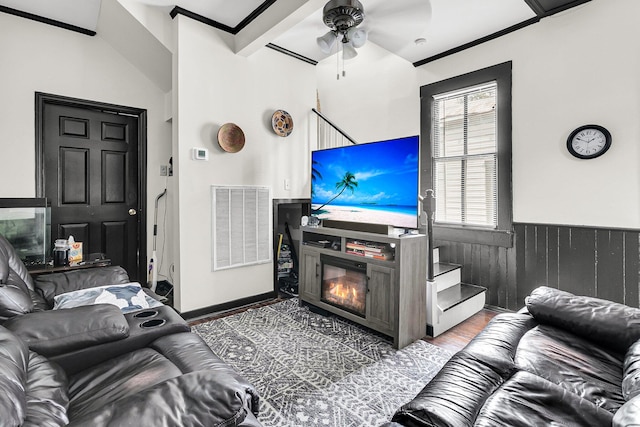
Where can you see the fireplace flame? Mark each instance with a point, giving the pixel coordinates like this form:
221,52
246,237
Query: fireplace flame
345,294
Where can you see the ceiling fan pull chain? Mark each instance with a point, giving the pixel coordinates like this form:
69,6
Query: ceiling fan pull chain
338,44
344,73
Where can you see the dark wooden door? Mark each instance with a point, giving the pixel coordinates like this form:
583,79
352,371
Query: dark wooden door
91,178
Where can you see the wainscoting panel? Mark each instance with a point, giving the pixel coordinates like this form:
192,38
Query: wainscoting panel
493,267
598,262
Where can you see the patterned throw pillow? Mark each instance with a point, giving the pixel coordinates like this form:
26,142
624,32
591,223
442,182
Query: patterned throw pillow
128,297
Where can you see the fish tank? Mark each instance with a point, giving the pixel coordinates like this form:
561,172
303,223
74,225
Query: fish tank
26,224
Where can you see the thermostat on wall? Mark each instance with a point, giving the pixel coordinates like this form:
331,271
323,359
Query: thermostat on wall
200,154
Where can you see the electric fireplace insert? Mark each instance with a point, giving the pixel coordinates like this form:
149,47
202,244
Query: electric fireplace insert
344,284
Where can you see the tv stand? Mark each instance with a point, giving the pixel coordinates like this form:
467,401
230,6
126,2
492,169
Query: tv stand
395,274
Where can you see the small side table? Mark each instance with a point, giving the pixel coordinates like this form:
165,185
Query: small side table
37,270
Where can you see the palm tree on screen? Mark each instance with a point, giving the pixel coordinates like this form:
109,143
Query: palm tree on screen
348,182
315,175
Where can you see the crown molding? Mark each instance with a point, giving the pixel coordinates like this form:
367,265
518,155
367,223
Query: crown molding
48,21
232,30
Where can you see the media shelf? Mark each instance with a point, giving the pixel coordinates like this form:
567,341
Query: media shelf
395,269
369,249
320,240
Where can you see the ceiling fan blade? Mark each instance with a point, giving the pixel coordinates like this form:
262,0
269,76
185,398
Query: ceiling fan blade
393,25
398,10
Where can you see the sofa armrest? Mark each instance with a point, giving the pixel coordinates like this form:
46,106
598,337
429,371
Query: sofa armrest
204,398
606,323
168,322
454,396
628,414
13,302
50,285
631,372
55,332
190,353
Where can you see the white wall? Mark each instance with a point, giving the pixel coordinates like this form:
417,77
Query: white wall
377,99
156,20
41,58
573,68
214,86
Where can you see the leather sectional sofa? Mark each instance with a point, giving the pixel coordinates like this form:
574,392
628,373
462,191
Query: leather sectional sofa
563,360
95,366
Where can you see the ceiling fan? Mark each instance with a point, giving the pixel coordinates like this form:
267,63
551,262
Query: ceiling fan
343,18
390,24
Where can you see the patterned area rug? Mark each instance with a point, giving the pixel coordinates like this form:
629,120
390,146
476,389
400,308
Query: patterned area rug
313,370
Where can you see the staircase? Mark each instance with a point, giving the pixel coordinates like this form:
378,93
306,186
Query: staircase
449,301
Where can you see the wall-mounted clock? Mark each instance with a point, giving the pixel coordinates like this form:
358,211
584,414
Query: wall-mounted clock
589,141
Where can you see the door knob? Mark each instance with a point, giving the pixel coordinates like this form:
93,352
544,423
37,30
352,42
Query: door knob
132,212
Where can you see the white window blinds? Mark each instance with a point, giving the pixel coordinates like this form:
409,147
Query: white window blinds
465,156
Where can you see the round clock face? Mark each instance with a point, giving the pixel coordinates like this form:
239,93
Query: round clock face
589,141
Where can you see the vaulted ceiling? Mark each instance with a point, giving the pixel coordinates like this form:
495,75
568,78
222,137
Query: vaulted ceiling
419,31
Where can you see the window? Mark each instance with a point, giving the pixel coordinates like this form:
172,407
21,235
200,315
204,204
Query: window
464,156
466,150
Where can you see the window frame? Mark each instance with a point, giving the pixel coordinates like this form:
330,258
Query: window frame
502,235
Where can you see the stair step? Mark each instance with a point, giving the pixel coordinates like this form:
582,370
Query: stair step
457,294
441,268
455,310
446,275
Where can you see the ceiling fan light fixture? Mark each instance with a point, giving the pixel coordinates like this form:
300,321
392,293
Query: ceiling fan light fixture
327,41
357,37
348,51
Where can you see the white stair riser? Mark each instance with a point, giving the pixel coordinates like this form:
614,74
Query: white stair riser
448,279
432,302
445,321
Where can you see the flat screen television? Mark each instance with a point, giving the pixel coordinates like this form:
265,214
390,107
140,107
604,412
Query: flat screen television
375,183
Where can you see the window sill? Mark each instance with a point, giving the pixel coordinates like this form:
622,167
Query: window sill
480,236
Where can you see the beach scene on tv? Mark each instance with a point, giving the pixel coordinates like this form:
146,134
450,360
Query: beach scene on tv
375,183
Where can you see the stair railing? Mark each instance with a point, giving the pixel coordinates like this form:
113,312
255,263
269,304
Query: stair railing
330,135
433,310
429,207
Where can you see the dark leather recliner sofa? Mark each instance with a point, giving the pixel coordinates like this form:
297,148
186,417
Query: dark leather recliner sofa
563,360
94,366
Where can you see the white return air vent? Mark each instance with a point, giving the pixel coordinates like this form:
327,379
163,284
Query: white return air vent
241,226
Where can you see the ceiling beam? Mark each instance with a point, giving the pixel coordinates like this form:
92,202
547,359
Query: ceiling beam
177,10
215,24
272,22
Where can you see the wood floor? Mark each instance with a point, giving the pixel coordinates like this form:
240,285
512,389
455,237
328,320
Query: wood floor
453,340
457,337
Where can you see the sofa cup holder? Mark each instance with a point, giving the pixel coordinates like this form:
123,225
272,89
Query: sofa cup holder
146,314
152,323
